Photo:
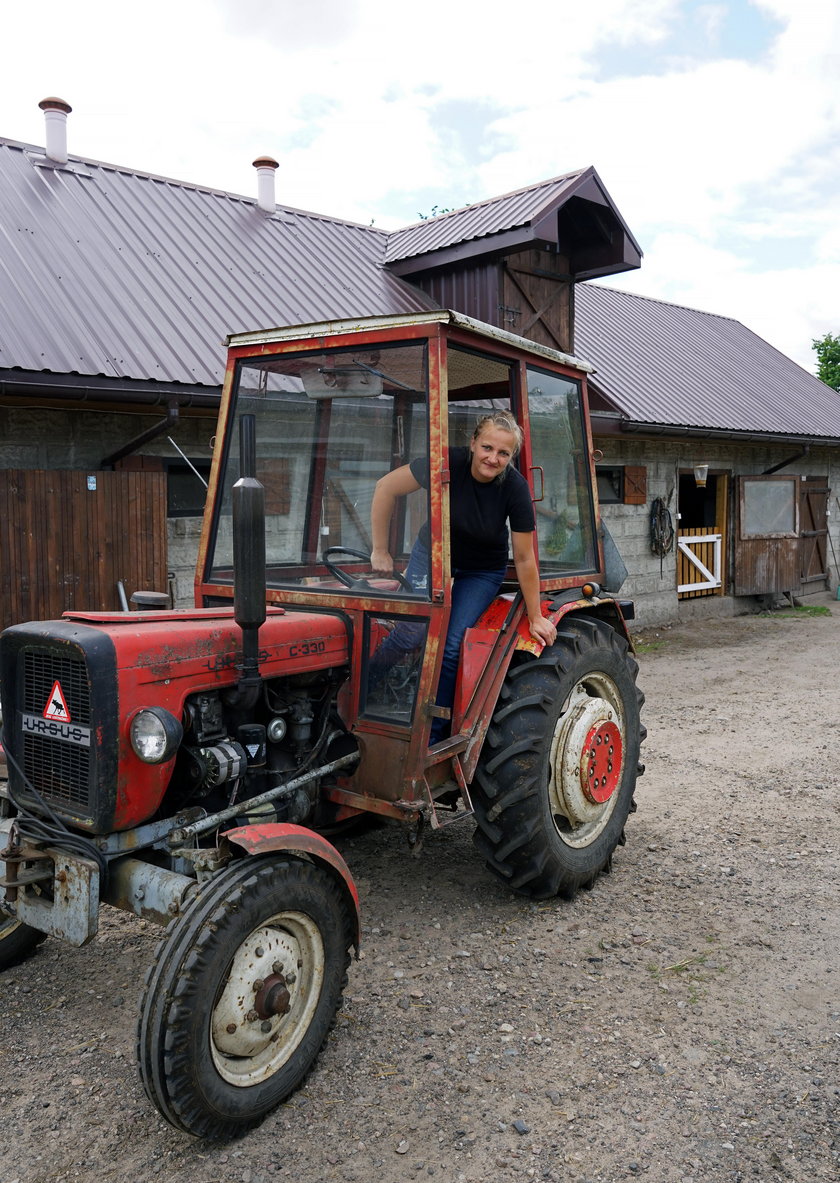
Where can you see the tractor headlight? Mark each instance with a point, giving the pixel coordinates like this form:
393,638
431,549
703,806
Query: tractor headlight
155,735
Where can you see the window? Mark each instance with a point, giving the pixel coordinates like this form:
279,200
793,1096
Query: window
768,507
185,493
610,484
621,484
328,424
565,521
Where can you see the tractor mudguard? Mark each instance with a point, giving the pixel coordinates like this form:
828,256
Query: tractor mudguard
267,837
608,610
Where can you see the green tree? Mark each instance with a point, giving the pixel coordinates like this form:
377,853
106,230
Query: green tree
828,355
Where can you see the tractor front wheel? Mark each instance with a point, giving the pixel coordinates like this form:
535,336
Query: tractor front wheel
17,941
244,990
555,781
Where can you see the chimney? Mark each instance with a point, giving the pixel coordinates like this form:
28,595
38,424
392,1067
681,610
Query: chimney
55,114
265,167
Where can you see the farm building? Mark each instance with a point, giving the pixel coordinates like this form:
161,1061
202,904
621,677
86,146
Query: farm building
118,289
719,456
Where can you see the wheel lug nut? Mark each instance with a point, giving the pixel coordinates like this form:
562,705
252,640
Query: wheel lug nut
291,977
231,1027
277,967
259,951
252,1016
258,985
265,1026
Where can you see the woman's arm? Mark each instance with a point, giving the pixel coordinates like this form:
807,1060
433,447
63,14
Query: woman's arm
529,580
397,483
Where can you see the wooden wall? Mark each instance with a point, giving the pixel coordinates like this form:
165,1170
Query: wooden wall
529,293
67,537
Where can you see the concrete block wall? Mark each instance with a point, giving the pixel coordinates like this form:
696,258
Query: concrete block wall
653,584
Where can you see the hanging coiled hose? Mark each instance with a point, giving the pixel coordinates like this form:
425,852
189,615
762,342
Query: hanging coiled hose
661,529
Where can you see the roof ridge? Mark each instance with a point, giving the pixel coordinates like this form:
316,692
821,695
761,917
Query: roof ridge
472,205
127,170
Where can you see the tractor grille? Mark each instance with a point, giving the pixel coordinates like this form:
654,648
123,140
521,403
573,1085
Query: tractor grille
60,771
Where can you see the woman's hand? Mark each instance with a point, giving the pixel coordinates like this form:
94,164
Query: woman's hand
543,630
399,482
381,562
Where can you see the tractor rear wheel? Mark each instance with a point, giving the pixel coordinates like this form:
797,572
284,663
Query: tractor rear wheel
17,941
555,781
244,991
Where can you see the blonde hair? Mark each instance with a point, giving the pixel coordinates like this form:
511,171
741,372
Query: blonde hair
503,421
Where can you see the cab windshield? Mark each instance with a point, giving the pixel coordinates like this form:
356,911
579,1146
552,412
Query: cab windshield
329,424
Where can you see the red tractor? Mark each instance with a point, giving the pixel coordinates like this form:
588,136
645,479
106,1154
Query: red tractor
184,765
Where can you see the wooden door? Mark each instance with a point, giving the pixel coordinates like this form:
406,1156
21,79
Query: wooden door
767,535
536,299
67,537
702,536
813,532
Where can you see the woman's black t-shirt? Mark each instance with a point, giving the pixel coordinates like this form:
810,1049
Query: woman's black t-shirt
479,512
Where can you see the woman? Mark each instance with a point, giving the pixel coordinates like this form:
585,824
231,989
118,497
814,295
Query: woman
485,494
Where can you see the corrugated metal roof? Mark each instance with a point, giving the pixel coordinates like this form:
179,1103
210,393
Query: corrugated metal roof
107,271
660,363
492,216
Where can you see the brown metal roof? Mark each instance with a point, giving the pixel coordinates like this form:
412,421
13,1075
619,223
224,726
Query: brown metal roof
496,214
662,364
108,271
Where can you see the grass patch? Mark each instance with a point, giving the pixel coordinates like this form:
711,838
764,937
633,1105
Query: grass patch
648,646
803,611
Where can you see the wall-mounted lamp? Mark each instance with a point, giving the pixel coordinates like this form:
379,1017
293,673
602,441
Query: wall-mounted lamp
701,472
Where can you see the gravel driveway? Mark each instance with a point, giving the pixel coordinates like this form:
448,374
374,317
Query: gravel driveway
679,1022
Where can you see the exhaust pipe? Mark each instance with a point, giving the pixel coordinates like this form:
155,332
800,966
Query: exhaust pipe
248,564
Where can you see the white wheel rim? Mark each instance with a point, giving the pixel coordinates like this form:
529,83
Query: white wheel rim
594,702
247,1049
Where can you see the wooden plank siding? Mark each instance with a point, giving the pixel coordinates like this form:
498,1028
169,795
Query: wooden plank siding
64,545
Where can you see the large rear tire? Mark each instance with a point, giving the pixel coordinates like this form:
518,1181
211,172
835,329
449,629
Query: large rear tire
244,991
17,941
555,781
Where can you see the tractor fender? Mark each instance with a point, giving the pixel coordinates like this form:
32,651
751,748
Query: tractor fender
266,837
604,609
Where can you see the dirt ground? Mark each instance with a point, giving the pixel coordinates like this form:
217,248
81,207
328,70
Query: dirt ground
679,1022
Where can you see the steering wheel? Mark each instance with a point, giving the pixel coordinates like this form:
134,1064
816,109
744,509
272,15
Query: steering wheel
348,580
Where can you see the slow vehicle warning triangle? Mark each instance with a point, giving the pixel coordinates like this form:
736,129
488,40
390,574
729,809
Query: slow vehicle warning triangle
56,705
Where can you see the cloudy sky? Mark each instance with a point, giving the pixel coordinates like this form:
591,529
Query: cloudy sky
714,126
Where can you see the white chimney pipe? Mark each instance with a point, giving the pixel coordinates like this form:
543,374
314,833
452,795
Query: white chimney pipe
265,167
55,114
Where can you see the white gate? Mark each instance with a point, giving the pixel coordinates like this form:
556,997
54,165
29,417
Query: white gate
698,555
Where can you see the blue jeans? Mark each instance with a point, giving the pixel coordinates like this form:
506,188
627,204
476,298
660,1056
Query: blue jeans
472,594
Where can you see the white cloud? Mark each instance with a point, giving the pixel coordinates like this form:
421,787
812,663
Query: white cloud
724,159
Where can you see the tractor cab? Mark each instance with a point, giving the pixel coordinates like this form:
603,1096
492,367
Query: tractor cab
336,406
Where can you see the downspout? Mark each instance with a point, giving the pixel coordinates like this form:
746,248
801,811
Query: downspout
153,432
790,460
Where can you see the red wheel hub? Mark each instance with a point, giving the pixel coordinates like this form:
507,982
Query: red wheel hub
600,764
